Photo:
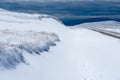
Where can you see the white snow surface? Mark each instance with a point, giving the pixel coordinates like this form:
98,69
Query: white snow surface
81,54
101,25
13,45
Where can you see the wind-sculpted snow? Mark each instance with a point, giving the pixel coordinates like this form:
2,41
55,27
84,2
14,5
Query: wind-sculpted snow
10,56
26,33
14,44
82,54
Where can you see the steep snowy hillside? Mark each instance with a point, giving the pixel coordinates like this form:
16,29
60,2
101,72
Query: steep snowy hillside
81,54
19,36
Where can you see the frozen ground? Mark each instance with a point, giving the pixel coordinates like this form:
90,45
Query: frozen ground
81,54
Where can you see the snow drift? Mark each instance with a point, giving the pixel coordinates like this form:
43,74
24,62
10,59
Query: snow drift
14,44
81,54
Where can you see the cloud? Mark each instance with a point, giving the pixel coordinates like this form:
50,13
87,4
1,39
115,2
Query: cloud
53,0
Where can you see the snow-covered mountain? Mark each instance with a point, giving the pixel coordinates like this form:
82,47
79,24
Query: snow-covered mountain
14,42
80,54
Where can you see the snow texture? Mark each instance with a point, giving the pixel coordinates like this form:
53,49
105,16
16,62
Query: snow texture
81,54
13,44
101,25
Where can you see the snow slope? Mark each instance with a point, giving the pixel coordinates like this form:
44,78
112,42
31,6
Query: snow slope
102,25
81,54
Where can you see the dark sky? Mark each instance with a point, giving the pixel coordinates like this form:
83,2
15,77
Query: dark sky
53,0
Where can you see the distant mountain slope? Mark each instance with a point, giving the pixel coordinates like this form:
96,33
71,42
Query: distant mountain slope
102,24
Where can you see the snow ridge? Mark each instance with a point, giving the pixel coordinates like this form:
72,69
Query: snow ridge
7,16
15,43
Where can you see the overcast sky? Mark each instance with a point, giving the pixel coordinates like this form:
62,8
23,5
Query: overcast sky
57,0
